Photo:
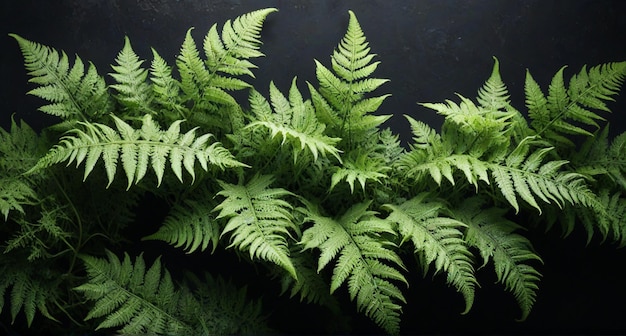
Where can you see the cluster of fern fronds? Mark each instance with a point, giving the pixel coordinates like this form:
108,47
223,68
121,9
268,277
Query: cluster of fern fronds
303,181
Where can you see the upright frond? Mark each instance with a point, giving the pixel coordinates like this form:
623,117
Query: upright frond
366,262
294,120
74,95
133,92
259,220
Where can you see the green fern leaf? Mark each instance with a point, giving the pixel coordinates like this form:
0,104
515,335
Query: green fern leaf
366,262
492,234
259,220
190,226
340,100
294,120
133,92
165,88
31,288
225,309
72,93
138,149
437,241
129,296
360,167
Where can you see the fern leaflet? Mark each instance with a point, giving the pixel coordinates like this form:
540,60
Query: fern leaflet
129,296
138,149
258,219
294,119
437,240
72,93
365,261
190,225
133,92
492,235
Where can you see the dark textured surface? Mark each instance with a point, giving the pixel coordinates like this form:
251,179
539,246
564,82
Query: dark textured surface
430,50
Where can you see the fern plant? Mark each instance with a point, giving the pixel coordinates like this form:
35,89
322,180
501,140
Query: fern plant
306,187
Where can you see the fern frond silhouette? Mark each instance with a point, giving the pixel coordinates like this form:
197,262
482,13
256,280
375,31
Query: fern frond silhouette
368,264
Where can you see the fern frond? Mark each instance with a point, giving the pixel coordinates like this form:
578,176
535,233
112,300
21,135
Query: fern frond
340,102
361,167
190,225
165,88
437,240
493,235
14,193
72,93
226,309
138,149
310,285
295,121
364,260
127,295
259,220
566,108
29,288
133,92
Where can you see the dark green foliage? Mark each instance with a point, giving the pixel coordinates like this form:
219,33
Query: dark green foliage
277,186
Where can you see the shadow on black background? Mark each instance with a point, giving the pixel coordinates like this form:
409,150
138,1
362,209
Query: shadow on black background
430,50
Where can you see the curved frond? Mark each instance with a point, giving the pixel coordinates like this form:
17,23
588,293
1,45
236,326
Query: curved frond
73,93
30,288
138,149
259,220
341,99
437,240
366,262
493,235
190,225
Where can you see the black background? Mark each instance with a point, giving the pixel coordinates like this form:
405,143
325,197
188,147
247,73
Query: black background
429,49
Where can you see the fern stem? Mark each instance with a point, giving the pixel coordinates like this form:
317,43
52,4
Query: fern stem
79,224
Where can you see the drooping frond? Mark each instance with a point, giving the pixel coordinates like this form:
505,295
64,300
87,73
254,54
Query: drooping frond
259,220
364,260
133,92
310,286
29,288
127,295
138,149
227,57
360,166
190,225
493,235
568,110
340,101
73,94
437,240
294,120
